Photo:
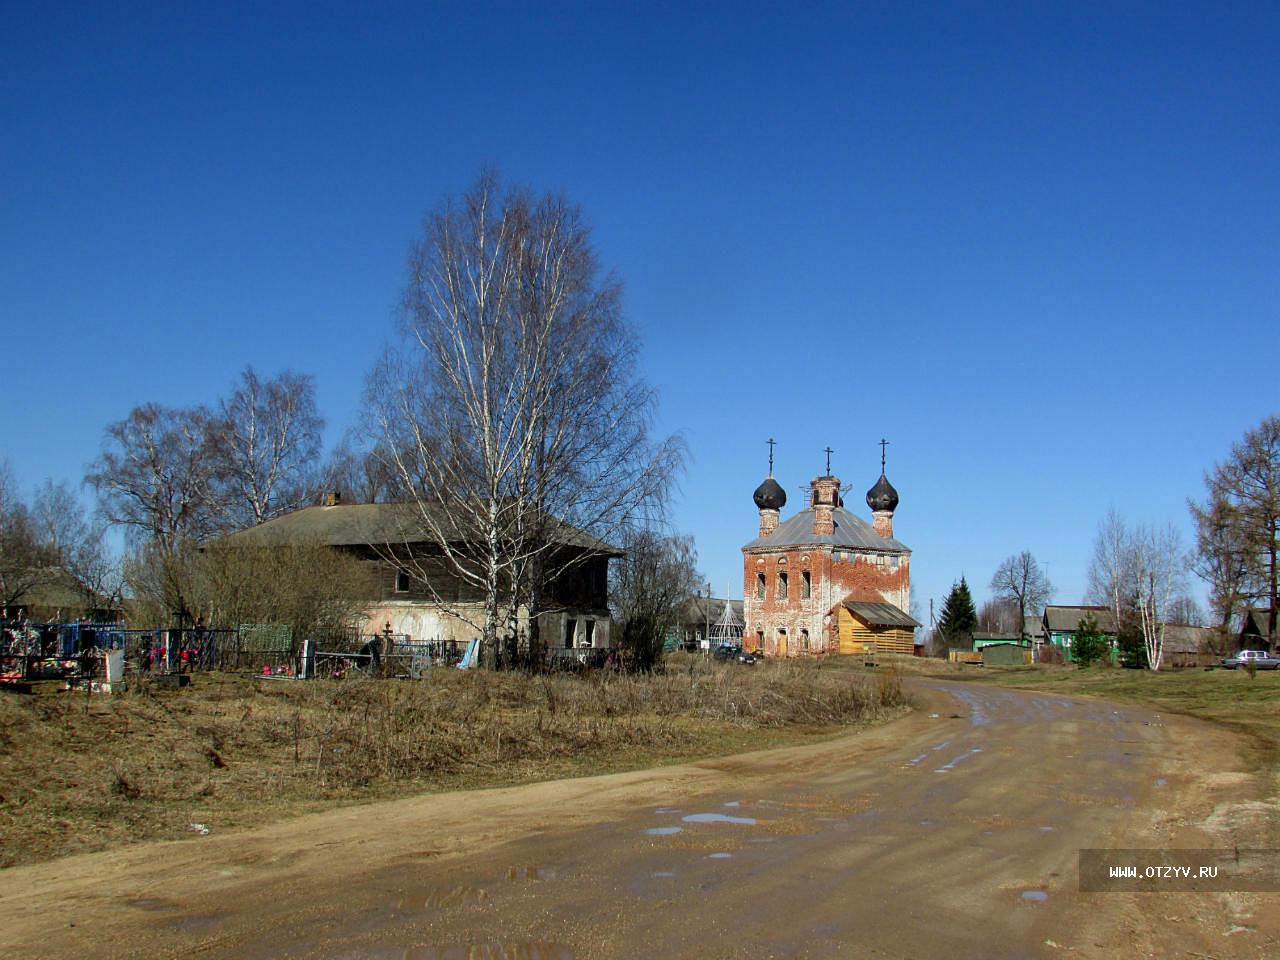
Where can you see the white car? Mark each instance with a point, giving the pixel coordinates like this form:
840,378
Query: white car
1258,659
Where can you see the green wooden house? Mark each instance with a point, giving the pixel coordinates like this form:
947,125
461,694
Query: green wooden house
1062,623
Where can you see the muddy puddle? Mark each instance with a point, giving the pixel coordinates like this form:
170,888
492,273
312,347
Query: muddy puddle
201,922
717,818
459,896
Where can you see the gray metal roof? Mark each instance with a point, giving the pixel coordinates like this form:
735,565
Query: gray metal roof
356,524
697,609
850,531
879,614
1180,638
1061,619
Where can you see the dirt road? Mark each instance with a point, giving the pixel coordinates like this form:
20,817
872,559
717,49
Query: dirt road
953,833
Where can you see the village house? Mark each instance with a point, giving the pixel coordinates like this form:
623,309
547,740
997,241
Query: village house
57,596
824,580
1255,631
704,621
415,593
1062,624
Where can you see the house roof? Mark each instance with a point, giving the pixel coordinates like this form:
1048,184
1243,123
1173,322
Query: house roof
56,587
879,614
1180,638
850,531
1257,617
695,609
1064,619
357,524
1033,626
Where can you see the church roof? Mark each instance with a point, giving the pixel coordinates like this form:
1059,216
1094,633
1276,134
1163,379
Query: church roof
850,531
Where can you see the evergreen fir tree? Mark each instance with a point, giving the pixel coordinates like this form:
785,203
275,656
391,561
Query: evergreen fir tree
959,616
1089,645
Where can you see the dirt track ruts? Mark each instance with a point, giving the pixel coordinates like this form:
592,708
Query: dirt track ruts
952,833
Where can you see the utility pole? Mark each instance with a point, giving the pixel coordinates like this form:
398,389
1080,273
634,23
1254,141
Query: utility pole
708,611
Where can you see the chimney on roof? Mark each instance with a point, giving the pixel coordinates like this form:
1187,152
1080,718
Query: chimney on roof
333,498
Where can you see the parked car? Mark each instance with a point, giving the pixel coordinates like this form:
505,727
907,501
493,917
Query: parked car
1258,659
728,651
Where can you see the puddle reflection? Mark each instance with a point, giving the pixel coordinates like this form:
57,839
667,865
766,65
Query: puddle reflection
716,818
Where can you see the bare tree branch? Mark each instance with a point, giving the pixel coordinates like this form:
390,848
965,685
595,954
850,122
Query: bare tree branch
510,412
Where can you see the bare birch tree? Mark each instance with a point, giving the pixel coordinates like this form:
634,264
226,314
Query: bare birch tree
1142,568
1108,582
1159,566
265,449
1022,581
154,475
76,541
512,407
154,478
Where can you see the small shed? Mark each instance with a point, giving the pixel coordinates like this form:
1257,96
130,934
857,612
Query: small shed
1186,646
1005,655
982,639
875,628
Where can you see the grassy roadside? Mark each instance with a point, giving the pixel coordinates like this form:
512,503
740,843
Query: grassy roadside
81,773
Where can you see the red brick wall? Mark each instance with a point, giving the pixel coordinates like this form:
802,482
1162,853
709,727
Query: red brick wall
833,581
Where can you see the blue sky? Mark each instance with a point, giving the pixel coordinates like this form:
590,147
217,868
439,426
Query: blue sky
1036,246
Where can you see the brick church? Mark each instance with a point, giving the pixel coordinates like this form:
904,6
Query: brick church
824,580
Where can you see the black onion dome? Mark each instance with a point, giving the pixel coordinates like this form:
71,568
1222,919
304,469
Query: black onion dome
770,496
882,496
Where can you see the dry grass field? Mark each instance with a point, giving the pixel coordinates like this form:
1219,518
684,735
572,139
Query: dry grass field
81,772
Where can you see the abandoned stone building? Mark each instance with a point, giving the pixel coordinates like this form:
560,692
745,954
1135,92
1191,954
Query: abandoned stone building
827,581
415,593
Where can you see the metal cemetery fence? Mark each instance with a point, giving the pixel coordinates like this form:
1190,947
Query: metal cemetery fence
76,652
51,651
382,654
